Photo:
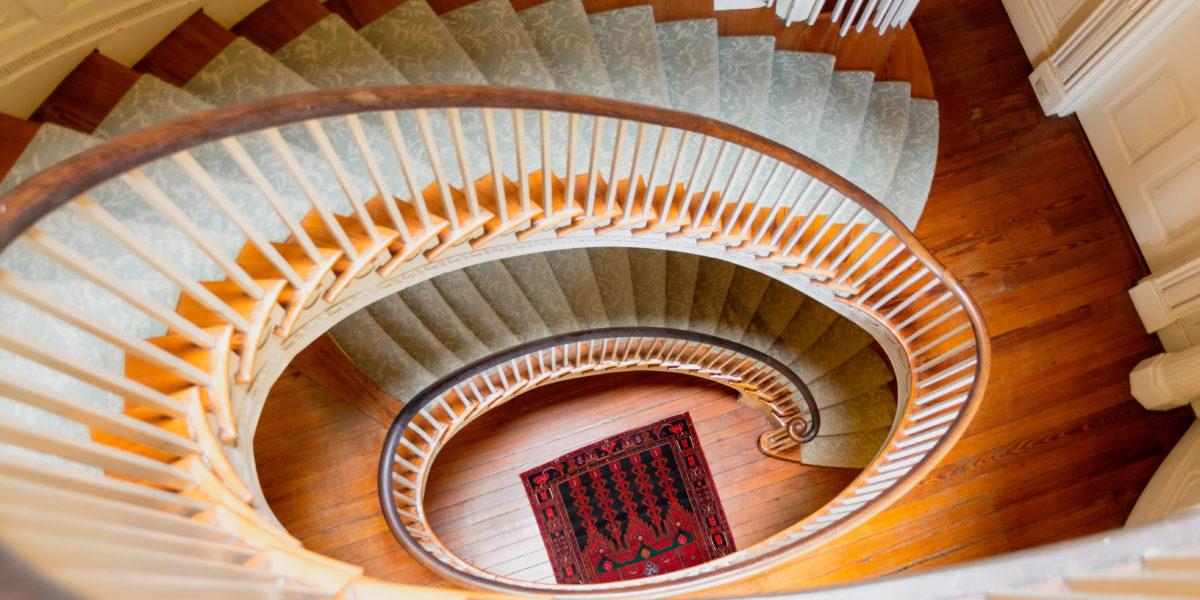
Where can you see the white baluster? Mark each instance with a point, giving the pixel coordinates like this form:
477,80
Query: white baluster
325,147
156,199
32,294
115,229
92,272
242,158
284,151
404,159
489,131
252,233
385,193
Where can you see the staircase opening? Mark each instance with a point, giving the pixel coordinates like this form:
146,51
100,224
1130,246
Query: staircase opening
477,505
462,489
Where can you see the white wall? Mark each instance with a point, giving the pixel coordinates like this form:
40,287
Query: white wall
41,41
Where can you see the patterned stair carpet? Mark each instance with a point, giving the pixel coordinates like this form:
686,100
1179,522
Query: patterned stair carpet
637,504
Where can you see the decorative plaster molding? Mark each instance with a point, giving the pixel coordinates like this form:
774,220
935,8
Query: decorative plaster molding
1111,35
79,25
1164,298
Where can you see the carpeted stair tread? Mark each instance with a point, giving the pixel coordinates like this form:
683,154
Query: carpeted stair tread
416,41
909,189
573,272
613,274
243,72
502,292
712,286
806,327
690,63
560,31
470,306
852,450
533,274
494,37
745,295
843,117
149,101
799,87
857,375
777,308
50,144
396,318
682,272
330,54
426,302
628,42
873,410
649,269
881,139
842,340
745,80
393,369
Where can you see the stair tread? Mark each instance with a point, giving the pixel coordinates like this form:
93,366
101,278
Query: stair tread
799,86
648,270
713,279
560,31
628,42
393,369
427,304
536,279
680,284
842,119
611,268
837,344
745,80
503,293
257,75
396,318
746,292
853,377
49,144
909,189
573,272
473,309
148,101
690,63
881,138
776,309
416,41
330,54
494,37
875,409
848,450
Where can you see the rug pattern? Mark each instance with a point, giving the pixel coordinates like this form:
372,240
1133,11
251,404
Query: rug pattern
637,504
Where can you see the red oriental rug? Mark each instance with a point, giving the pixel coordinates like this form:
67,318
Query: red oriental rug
637,504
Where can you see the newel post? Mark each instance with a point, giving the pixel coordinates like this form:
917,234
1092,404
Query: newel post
1168,380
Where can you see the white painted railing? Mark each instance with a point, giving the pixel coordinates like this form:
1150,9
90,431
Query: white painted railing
858,15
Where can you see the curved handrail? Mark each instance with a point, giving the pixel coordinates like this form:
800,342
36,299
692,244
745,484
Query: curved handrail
880,283
763,370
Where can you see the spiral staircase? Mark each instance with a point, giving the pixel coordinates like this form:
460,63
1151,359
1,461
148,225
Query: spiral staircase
473,204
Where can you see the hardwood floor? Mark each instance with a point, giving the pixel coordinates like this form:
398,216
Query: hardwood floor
1020,213
317,456
477,504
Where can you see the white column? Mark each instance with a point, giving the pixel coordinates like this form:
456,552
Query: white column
1167,381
